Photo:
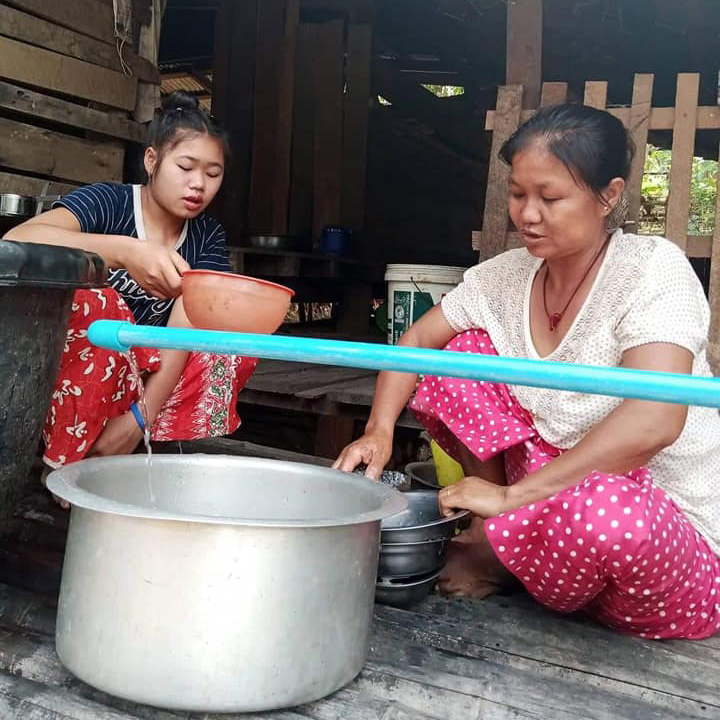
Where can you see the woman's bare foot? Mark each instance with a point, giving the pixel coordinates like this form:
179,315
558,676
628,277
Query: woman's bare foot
64,504
472,568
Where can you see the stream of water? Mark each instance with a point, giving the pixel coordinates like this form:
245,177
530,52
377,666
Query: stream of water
144,412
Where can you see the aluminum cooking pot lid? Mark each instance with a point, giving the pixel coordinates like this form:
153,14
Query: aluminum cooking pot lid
34,265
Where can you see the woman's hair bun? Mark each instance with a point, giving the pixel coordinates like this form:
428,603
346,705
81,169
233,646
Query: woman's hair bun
179,100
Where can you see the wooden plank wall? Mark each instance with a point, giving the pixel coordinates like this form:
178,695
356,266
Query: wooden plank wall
65,101
683,120
306,134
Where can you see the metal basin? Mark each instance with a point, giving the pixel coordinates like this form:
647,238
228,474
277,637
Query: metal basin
420,521
404,560
231,584
404,593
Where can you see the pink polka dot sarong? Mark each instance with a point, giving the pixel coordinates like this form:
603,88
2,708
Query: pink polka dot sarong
614,546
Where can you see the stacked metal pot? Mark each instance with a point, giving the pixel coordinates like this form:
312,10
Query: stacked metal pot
413,549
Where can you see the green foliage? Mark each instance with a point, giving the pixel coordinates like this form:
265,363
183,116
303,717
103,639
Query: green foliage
443,91
655,189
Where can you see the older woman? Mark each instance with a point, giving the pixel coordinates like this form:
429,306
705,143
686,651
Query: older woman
595,503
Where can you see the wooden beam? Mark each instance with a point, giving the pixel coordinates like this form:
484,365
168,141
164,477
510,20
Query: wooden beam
90,17
51,71
356,108
524,48
661,118
683,148
31,149
36,105
18,25
327,153
24,185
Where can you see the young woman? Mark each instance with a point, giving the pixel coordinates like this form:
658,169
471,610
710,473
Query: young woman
593,503
148,235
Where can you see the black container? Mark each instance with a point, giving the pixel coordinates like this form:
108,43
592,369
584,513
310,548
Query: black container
37,283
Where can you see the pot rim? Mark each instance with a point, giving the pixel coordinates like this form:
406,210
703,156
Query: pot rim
63,482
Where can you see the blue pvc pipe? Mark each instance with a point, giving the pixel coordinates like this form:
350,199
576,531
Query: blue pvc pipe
618,382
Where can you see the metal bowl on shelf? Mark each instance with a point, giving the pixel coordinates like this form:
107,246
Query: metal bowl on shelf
273,242
17,206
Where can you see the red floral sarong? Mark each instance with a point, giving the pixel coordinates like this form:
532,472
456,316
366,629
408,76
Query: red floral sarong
95,385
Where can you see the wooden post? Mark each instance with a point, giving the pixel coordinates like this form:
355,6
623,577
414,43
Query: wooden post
328,131
714,295
683,149
524,48
232,104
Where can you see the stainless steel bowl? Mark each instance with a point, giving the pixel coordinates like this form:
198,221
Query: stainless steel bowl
19,206
404,593
420,521
273,242
404,560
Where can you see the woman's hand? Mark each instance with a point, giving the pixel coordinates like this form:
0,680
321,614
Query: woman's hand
480,497
373,449
157,269
121,436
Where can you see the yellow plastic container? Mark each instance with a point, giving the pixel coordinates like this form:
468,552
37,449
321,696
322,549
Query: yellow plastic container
448,470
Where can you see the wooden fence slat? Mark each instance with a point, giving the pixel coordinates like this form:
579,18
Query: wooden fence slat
683,147
45,69
18,25
90,17
327,143
495,219
34,104
638,124
553,93
45,152
714,295
596,94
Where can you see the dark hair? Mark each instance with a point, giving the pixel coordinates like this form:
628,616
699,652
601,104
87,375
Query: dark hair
179,116
592,144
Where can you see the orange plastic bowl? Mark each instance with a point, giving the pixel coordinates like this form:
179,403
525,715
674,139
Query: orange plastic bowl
225,301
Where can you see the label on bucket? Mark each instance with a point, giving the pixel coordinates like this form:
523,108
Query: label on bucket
401,314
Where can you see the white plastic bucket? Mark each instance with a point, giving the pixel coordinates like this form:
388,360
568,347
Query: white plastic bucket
408,288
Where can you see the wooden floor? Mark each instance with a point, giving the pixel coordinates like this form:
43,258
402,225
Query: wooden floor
503,658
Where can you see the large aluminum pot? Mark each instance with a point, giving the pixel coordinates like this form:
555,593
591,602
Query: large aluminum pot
226,584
